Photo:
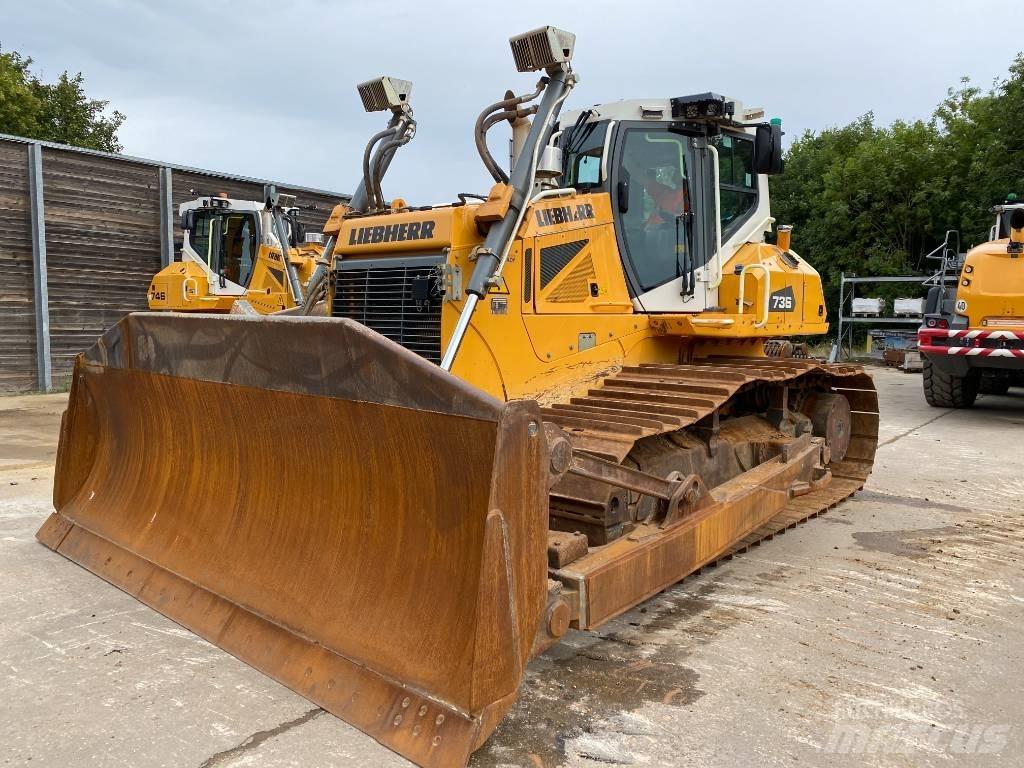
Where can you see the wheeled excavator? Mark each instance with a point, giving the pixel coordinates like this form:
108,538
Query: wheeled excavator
972,337
522,414
238,250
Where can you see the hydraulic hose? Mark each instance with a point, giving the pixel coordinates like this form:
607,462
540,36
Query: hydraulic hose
492,255
382,158
482,125
367,153
360,201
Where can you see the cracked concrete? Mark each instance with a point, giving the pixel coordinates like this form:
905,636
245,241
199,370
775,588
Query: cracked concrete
239,755
886,633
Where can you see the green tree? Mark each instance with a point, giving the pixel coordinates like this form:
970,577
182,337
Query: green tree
984,141
874,200
18,104
60,111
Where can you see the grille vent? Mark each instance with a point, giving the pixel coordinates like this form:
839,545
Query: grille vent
379,294
555,258
576,285
528,276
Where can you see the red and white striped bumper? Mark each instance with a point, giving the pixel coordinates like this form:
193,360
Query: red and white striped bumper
942,341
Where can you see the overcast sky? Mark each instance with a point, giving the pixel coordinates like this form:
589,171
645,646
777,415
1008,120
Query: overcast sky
267,88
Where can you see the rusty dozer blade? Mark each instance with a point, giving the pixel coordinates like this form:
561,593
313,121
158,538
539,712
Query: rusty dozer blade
321,503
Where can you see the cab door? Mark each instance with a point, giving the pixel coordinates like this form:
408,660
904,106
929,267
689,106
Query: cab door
661,215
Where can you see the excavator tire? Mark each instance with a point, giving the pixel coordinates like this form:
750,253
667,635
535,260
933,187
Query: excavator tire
944,390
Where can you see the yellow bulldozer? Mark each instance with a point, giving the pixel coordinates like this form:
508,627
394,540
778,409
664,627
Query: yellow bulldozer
522,414
238,250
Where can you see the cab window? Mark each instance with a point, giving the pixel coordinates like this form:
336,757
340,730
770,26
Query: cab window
656,225
239,248
737,180
236,254
583,149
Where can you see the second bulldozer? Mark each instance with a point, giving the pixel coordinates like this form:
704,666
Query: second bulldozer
238,250
523,414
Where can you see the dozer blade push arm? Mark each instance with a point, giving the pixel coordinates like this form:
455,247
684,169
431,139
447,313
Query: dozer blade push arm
678,495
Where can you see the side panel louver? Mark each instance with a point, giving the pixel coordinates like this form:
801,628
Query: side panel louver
528,276
555,258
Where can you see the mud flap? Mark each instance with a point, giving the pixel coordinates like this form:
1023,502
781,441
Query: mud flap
321,503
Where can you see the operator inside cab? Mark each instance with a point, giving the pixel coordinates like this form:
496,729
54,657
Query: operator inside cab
656,227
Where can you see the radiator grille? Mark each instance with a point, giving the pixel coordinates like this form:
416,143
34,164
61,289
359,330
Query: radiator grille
380,295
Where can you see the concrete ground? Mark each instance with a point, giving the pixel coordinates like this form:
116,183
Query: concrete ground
886,633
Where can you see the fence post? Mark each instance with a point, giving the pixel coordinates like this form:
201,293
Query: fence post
166,218
44,369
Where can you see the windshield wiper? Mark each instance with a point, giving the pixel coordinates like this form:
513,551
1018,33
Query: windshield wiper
684,257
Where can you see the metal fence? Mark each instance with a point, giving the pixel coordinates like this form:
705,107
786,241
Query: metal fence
81,234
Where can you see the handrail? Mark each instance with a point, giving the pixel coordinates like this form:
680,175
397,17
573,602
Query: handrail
559,192
717,257
767,290
605,150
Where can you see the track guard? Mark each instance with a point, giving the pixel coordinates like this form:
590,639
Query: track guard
321,503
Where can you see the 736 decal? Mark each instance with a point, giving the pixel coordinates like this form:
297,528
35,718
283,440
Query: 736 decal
782,300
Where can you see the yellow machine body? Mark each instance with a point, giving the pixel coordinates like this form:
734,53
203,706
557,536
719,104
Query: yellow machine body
538,338
521,415
972,339
991,290
184,286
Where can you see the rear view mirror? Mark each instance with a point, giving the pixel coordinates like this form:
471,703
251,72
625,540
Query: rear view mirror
188,220
298,232
768,149
622,192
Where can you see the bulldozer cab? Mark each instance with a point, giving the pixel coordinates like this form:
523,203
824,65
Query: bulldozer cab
655,206
224,236
226,241
684,196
